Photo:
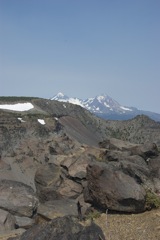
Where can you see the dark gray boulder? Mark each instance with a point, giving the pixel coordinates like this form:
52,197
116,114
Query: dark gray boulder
137,168
17,198
53,182
66,228
47,181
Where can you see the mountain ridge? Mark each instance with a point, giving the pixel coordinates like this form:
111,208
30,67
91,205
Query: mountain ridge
106,107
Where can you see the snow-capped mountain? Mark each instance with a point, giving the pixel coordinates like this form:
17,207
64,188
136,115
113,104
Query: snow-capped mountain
64,98
106,107
99,104
104,104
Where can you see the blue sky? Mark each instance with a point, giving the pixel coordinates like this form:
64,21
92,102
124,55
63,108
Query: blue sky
82,48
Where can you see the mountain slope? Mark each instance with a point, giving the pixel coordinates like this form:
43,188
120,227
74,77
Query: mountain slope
106,107
54,147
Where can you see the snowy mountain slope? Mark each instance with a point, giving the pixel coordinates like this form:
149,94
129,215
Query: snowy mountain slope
99,104
106,107
64,98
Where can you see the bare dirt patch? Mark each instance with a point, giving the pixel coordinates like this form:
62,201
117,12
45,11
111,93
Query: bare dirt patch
143,226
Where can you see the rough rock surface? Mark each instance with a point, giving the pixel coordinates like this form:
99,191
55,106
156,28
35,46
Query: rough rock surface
17,198
110,188
146,150
24,222
66,228
7,221
58,208
47,181
12,235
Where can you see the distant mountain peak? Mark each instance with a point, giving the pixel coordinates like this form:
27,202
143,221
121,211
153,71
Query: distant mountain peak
106,107
99,104
60,94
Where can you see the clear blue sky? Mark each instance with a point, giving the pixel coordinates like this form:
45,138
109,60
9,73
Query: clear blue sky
82,48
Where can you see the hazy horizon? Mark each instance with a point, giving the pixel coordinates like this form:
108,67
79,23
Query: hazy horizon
83,49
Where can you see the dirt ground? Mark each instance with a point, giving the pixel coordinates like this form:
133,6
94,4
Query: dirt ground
143,226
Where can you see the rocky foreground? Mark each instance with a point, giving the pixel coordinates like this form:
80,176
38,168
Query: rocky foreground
61,168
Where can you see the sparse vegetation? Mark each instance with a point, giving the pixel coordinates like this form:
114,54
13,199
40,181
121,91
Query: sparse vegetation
94,214
15,99
152,200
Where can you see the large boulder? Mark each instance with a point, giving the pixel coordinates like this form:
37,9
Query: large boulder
76,164
136,167
110,188
58,208
17,198
63,229
52,183
47,181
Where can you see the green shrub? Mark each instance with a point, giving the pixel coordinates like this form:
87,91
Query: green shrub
152,199
93,214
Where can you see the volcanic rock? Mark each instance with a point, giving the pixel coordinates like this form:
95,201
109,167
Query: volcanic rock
7,221
24,222
17,198
110,188
63,229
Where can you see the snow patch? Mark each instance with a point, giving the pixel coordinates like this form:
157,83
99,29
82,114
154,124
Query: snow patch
100,98
21,120
64,105
126,109
41,121
60,94
89,100
75,101
106,105
17,107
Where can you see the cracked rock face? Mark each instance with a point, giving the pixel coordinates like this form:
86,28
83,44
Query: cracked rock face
17,198
110,188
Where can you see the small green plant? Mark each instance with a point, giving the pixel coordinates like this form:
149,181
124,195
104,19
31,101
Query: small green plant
152,200
94,214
